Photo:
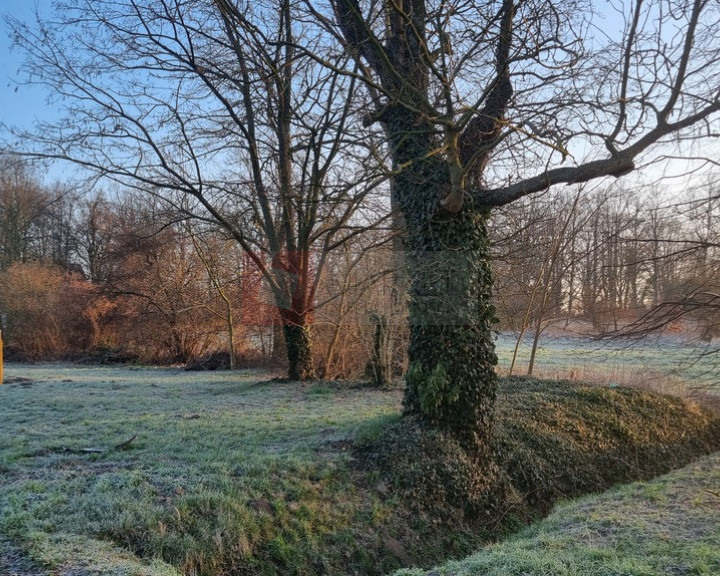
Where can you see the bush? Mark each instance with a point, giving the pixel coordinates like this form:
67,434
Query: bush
49,313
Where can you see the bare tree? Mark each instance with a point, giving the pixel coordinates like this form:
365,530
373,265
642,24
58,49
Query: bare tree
211,253
679,250
211,107
361,323
94,232
546,283
23,204
484,103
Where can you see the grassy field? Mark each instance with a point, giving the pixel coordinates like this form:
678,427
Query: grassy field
214,452
157,471
666,364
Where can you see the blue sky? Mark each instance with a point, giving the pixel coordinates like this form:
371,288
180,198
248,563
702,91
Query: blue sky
19,105
22,105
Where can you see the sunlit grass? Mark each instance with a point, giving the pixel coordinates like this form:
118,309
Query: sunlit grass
666,365
220,461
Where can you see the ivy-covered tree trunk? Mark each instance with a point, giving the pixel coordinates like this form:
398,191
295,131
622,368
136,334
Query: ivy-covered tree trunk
437,154
451,380
297,340
440,77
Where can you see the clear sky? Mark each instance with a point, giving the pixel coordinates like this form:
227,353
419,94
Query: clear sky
22,105
19,105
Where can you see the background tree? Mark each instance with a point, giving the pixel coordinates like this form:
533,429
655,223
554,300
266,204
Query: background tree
212,108
548,245
94,232
357,295
213,255
679,253
24,204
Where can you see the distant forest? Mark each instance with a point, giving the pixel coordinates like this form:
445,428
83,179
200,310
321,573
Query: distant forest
118,276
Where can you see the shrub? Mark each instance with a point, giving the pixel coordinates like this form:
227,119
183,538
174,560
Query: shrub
49,313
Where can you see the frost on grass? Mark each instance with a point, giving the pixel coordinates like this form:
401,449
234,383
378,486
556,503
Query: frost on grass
231,473
665,527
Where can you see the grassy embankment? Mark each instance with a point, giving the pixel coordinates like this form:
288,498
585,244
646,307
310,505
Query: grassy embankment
667,527
231,475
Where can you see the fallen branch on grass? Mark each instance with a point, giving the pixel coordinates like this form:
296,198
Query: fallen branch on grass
124,445
84,450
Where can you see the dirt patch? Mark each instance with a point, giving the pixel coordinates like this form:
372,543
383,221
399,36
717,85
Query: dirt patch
106,356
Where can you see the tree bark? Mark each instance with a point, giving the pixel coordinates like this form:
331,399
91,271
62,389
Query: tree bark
297,340
451,380
380,363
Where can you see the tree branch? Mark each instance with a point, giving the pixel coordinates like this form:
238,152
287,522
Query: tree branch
617,165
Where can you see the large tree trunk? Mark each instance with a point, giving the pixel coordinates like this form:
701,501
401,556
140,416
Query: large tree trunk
451,378
297,340
294,302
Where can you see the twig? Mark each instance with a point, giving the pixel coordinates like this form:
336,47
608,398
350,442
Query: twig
126,444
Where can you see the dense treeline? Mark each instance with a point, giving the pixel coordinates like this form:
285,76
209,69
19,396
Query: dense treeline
118,278
622,262
125,278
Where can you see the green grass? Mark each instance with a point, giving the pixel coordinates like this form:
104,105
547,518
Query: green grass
222,466
231,475
667,527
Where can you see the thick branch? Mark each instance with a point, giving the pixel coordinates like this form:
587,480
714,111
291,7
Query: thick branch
617,165
477,139
359,36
